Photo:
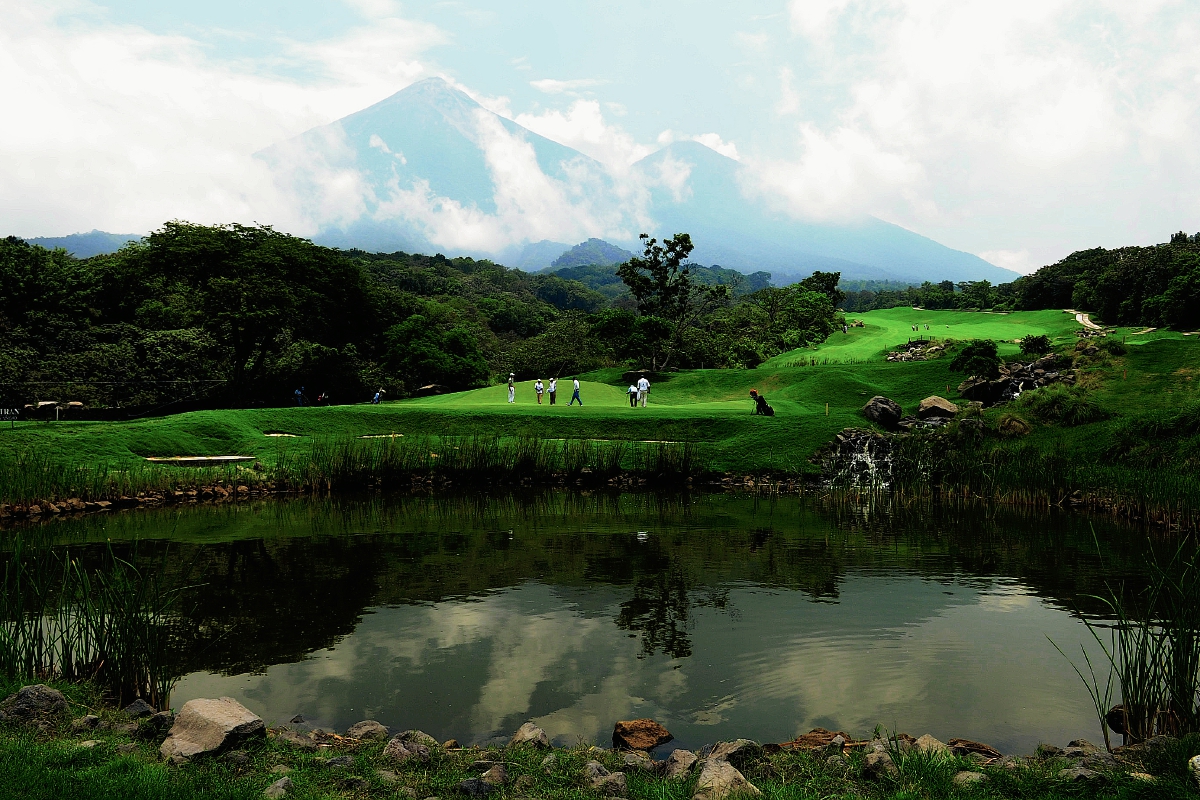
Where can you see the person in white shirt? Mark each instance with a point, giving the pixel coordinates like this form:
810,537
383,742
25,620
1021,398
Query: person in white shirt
575,392
632,391
643,387
539,387
553,389
512,387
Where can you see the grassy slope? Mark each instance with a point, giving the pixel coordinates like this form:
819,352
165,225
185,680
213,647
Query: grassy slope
705,405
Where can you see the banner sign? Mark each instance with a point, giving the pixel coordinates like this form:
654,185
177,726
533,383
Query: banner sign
9,414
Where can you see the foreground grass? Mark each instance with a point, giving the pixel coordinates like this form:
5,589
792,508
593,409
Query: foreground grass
116,767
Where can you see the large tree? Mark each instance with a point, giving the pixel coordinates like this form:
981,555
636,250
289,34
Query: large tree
669,301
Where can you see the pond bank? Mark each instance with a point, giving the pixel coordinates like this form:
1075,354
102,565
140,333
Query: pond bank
58,748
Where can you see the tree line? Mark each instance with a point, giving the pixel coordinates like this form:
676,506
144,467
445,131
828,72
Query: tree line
1158,286
245,315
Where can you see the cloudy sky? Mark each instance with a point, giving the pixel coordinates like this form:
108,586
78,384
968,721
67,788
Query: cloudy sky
1020,131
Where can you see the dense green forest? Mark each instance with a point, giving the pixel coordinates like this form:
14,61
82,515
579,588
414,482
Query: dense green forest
247,315
1156,286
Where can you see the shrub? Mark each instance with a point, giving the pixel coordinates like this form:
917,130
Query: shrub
1012,425
1062,404
979,358
1113,347
1032,345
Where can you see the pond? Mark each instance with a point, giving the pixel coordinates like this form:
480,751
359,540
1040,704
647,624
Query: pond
718,615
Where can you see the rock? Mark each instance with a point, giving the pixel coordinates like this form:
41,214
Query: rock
89,744
85,723
720,779
529,734
836,760
934,406
207,727
524,782
301,741
883,412
612,784
367,730
877,765
965,747
341,762
279,788
36,703
1079,775
496,776
416,737
482,765
1194,767
351,783
474,787
679,763
1049,751
400,751
968,778
1010,763
298,720
549,763
125,748
1083,746
593,770
1115,719
238,758
138,708
156,726
740,752
281,769
639,734
451,744
928,744
640,761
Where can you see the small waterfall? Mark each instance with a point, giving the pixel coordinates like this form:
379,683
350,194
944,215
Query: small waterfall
859,459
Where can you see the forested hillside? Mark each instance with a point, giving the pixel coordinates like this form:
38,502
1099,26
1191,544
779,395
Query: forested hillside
237,315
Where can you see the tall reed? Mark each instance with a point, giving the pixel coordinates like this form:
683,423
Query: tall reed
107,622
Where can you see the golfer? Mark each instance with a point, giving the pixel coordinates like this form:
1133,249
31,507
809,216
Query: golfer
643,389
512,387
540,389
575,392
632,392
553,389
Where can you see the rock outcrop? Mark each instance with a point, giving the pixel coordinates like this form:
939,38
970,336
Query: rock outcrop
935,406
639,734
720,779
529,734
883,412
210,727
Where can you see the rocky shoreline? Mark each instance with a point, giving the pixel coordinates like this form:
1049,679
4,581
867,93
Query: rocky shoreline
368,759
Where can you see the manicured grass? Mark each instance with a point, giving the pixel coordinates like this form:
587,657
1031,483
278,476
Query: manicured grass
886,328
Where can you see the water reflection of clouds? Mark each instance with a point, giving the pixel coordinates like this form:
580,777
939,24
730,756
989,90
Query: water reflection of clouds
892,652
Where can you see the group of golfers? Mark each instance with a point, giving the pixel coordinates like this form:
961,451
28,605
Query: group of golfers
637,392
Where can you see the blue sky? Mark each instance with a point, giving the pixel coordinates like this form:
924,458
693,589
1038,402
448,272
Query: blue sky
1018,131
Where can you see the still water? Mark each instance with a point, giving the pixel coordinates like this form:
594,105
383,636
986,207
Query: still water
719,616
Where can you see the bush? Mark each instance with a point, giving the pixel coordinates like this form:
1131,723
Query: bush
979,358
1032,345
1062,404
1012,425
1113,347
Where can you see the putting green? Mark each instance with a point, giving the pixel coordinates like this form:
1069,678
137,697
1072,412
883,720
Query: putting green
886,328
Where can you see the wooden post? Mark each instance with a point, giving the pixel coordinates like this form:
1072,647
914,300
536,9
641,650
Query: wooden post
827,409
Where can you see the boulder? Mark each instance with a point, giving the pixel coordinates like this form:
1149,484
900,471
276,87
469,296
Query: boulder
639,760
529,734
739,752
279,788
965,747
934,406
878,765
1194,767
399,751
720,779
883,412
1079,775
639,734
368,729
208,727
496,776
610,784
34,704
156,726
549,763
301,741
85,723
416,737
138,708
474,787
928,744
968,778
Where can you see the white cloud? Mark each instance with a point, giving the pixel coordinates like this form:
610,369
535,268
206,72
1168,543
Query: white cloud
552,86
583,127
754,41
712,141
982,123
121,129
1016,260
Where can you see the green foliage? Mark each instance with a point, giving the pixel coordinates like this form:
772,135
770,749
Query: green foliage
978,358
1064,405
593,252
1035,344
420,353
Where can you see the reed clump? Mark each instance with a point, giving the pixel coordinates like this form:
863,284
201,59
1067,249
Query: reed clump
101,620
